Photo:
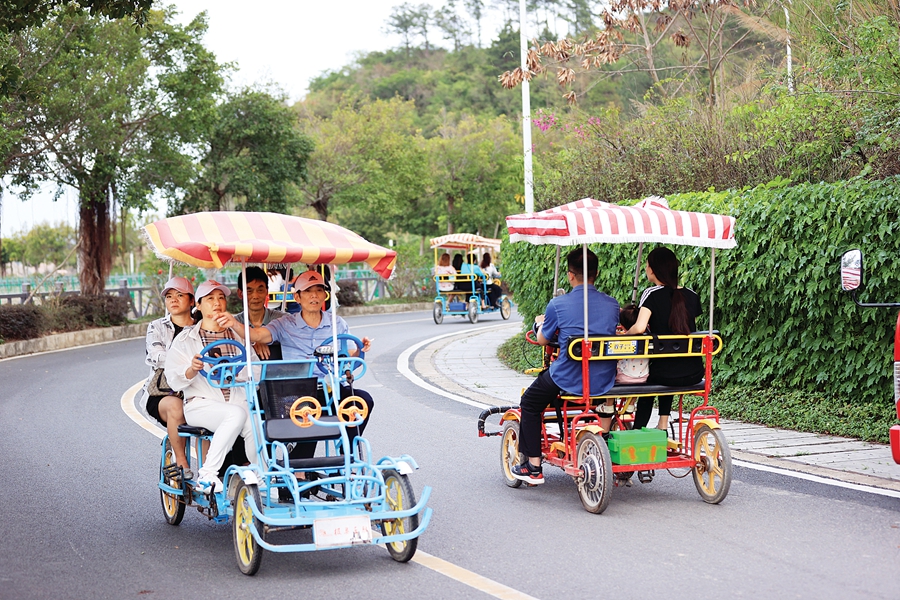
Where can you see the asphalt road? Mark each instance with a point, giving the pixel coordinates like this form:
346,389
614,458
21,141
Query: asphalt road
81,516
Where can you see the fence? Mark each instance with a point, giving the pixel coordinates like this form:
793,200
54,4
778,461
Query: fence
139,298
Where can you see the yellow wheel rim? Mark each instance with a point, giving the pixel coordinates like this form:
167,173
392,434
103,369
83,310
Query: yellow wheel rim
394,496
243,514
709,461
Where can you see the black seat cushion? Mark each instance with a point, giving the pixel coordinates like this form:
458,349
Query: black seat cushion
317,462
285,430
276,396
193,430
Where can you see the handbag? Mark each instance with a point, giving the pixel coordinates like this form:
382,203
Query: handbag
158,386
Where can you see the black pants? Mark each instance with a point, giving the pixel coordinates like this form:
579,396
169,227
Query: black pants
308,450
494,293
645,405
535,400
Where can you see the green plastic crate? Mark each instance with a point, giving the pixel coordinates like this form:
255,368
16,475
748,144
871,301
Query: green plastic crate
637,447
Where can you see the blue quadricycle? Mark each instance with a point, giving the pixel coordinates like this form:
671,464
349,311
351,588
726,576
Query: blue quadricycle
339,499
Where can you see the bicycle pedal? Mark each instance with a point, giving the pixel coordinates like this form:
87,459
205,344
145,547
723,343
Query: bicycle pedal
646,476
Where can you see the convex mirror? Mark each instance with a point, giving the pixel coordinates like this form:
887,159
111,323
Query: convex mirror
851,270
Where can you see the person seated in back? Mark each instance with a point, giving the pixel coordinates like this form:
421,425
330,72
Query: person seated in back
629,371
563,320
491,273
257,296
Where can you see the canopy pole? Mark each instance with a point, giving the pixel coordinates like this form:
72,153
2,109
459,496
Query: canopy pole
335,381
637,273
712,287
585,345
556,272
171,266
246,314
284,287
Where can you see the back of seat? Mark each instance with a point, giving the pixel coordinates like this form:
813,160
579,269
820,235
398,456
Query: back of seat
276,396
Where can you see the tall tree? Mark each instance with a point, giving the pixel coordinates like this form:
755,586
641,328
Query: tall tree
255,157
403,22
113,112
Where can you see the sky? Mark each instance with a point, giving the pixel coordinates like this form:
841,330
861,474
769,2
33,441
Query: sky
281,42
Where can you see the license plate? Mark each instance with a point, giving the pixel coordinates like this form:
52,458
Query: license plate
342,531
621,348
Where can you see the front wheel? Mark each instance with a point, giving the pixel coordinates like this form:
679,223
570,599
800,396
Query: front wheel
595,481
173,505
509,453
399,495
473,311
505,308
438,313
246,549
712,471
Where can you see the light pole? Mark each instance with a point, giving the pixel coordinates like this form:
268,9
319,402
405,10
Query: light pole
526,112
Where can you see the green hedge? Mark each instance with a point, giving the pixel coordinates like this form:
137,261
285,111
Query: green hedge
778,301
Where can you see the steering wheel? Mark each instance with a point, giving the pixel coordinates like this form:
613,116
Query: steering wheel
352,409
304,409
214,361
359,368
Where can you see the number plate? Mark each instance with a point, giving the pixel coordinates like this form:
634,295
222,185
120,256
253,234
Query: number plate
621,348
342,531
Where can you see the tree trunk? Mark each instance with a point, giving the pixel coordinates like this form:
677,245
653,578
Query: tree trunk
93,234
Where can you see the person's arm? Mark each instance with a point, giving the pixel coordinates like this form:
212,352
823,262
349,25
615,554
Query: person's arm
156,346
181,364
258,335
548,324
640,326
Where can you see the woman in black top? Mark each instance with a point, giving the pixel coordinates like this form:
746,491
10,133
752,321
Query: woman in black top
666,309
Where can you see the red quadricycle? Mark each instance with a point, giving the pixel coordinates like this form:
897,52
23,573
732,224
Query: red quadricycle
572,436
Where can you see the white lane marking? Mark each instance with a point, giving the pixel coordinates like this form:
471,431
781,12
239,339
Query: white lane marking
479,582
817,479
403,366
367,325
42,352
127,404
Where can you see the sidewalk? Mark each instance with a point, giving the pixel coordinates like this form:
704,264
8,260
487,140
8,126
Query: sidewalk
467,365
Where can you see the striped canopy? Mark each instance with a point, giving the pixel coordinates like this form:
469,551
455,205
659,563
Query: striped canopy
209,240
651,220
463,241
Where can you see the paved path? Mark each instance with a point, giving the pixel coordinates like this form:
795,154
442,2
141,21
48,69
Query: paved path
467,365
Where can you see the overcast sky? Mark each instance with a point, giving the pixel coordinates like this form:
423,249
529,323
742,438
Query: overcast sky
284,42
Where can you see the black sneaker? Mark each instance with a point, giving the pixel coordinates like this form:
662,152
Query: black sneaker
528,473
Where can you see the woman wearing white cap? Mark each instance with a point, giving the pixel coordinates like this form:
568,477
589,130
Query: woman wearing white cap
221,410
167,408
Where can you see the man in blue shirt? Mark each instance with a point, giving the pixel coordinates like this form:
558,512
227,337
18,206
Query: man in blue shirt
563,320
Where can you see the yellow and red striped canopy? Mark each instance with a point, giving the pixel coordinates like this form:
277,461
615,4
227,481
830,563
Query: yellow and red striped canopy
210,239
464,241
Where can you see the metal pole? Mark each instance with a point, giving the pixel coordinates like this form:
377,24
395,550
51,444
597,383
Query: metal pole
526,113
712,287
637,273
787,27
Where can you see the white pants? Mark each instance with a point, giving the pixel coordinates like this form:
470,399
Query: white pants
227,421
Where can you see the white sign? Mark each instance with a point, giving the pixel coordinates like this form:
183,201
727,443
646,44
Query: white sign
342,531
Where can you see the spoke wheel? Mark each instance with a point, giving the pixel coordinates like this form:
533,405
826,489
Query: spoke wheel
505,308
712,471
173,506
473,311
509,452
246,549
595,481
438,313
399,495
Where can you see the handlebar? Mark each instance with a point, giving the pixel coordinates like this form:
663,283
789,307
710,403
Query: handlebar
494,410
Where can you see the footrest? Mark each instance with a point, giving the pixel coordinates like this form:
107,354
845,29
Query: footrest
317,462
192,430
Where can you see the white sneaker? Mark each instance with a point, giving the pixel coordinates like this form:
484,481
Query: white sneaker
205,486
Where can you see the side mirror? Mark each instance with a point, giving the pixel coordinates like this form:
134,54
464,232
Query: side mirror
851,270
326,350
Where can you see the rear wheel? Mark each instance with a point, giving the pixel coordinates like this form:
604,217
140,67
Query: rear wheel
595,481
438,313
509,453
399,495
473,311
246,549
712,471
173,506
505,308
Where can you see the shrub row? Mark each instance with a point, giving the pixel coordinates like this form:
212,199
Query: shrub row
67,313
778,301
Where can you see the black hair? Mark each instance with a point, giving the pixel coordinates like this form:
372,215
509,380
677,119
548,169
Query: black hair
664,265
253,274
457,262
574,262
628,315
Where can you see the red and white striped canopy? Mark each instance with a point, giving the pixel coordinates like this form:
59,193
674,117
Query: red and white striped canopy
209,240
463,241
651,220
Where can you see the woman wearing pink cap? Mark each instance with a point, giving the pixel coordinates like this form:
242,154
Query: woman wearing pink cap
221,410
167,409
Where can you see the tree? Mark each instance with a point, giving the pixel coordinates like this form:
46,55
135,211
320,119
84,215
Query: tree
114,113
254,160
46,243
16,15
452,24
402,21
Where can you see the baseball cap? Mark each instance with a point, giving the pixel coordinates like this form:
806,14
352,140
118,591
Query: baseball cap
207,287
179,284
307,280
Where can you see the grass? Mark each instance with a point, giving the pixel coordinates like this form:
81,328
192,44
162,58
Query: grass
386,301
772,405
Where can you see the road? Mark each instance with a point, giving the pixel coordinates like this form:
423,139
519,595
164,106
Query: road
81,513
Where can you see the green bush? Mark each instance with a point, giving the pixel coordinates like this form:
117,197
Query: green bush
95,311
20,321
778,302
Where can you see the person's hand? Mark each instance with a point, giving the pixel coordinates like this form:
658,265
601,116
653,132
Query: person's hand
262,351
226,320
539,320
196,367
367,343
